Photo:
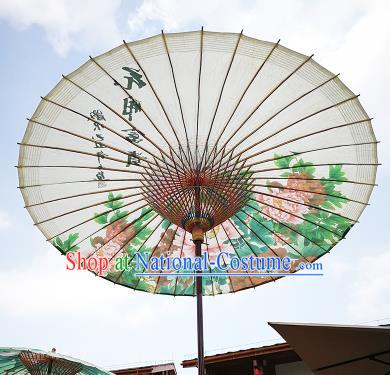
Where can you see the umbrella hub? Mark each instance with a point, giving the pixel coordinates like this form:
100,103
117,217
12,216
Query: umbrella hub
197,226
199,200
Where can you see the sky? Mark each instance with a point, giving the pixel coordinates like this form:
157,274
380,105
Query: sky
43,306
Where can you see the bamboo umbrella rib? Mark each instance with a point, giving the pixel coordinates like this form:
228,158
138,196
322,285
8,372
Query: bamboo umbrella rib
85,194
93,218
318,207
153,251
233,186
170,175
334,105
105,242
306,204
316,165
317,179
161,271
244,93
178,177
198,103
137,251
246,242
181,255
91,206
141,107
79,182
300,97
79,136
178,98
292,214
364,121
288,105
309,151
250,246
103,126
159,101
238,255
205,152
220,251
131,238
312,192
276,235
252,231
81,152
266,97
293,102
122,118
79,167
100,168
281,223
209,270
241,186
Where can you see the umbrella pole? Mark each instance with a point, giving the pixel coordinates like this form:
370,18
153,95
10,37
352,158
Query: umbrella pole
197,237
199,311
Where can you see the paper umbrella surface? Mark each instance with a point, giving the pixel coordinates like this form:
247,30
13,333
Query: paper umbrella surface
263,148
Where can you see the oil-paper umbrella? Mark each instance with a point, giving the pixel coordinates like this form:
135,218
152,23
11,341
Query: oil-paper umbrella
198,141
24,361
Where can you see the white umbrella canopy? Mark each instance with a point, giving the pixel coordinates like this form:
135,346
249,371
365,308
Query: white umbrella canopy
26,361
258,146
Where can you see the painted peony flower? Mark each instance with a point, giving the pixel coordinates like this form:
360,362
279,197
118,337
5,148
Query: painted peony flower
301,181
285,206
291,201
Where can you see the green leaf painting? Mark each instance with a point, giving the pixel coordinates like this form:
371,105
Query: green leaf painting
67,245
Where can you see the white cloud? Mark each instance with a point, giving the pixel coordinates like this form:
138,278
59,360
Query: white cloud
258,18
5,220
68,24
371,287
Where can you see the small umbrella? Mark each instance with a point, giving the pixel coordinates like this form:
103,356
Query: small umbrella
23,361
199,141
